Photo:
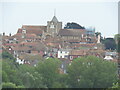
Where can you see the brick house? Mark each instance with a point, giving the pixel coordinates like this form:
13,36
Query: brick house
76,54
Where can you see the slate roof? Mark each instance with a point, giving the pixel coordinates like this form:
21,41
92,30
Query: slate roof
54,19
72,32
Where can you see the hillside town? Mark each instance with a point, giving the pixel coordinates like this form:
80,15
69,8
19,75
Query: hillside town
54,41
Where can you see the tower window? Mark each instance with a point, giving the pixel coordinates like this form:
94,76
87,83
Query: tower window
51,26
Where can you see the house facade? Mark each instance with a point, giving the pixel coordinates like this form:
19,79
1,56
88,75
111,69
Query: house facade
63,53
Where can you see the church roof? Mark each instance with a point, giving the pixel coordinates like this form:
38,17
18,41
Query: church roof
54,19
72,32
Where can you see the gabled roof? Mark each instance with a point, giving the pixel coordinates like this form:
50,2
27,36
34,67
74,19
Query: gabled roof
32,29
54,19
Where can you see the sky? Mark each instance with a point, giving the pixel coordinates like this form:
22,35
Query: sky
102,15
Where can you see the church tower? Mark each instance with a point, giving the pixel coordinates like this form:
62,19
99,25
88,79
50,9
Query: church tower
53,27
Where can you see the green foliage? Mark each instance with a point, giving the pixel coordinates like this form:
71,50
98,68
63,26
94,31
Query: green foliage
30,78
20,87
6,55
117,39
109,44
63,80
115,85
97,33
10,72
92,72
73,26
5,76
49,71
84,72
8,85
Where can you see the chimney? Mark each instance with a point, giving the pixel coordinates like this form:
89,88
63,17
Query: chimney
3,33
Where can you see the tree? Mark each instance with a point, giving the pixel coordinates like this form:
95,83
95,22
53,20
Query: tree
97,33
109,44
91,72
22,75
6,55
10,69
62,81
8,85
5,76
117,40
48,69
10,72
30,77
73,26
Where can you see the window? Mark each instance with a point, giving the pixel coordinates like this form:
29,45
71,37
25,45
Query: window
66,57
23,31
30,46
51,26
29,51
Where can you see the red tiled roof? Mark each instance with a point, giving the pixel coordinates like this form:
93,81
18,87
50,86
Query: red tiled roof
30,35
25,48
10,44
35,45
78,52
17,35
29,43
31,29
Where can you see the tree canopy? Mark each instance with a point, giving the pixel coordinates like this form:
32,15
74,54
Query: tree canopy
117,39
92,72
84,72
73,26
109,44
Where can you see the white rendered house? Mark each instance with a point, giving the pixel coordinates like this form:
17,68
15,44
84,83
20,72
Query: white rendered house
63,53
20,61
